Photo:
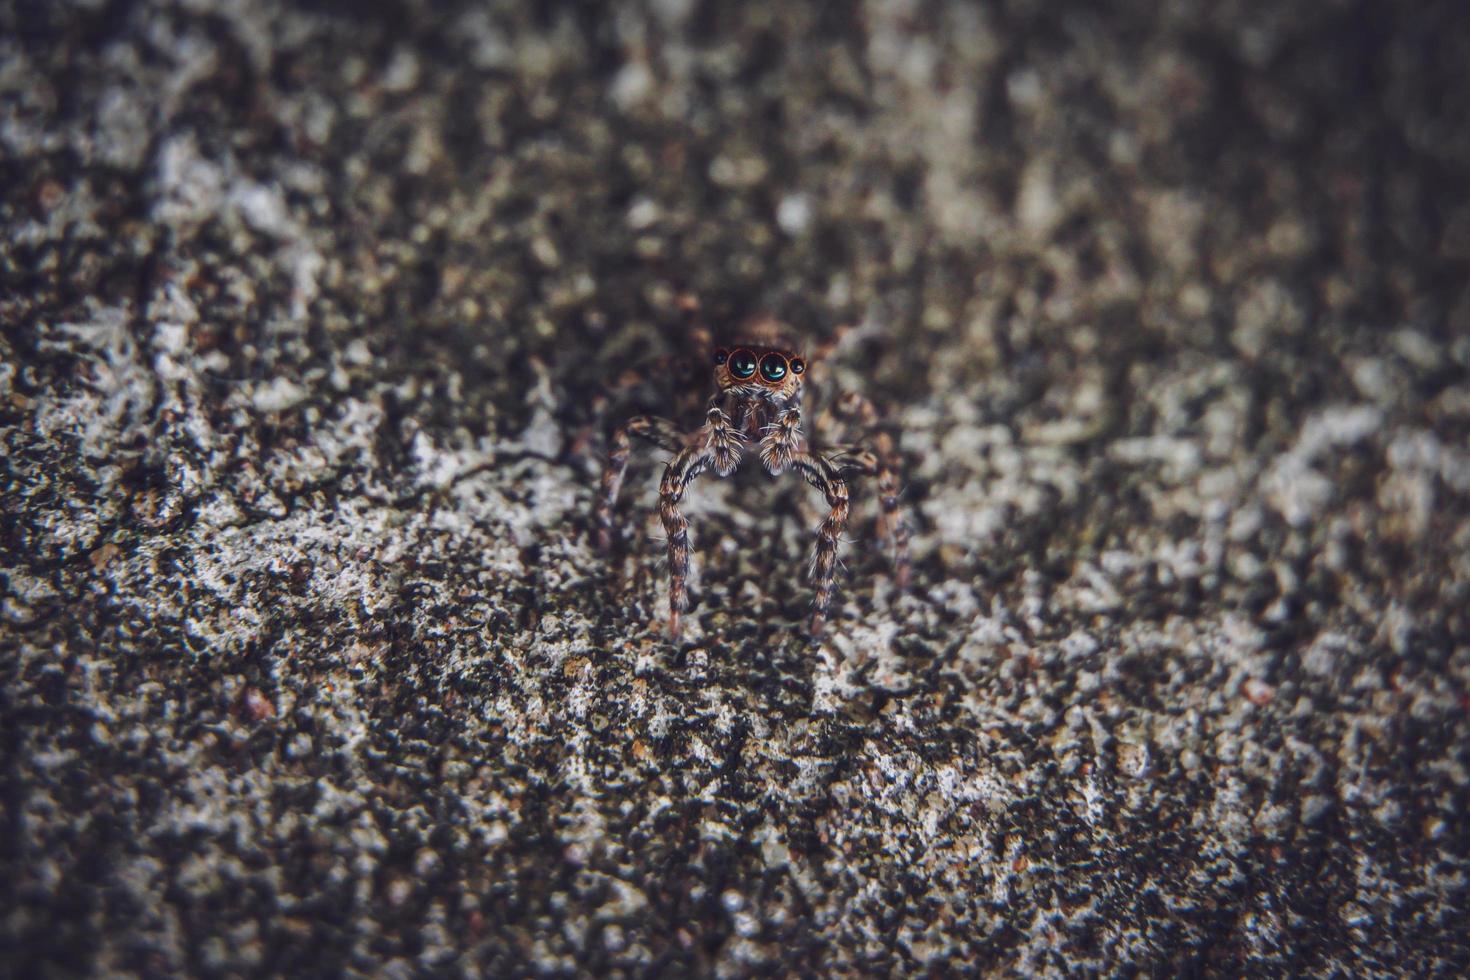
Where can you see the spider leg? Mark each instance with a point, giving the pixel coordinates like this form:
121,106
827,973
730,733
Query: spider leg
883,463
820,473
611,391
659,431
720,448
848,411
824,350
893,527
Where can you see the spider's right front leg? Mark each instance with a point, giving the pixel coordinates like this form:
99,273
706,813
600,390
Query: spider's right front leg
720,448
659,431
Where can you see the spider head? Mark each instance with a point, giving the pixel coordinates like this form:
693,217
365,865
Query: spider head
755,371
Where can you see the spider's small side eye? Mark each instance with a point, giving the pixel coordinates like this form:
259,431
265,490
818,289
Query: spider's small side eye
798,366
721,356
773,368
742,365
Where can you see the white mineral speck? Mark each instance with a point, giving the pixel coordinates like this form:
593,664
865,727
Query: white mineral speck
278,395
794,213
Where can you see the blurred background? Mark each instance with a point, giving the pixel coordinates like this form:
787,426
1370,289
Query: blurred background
309,664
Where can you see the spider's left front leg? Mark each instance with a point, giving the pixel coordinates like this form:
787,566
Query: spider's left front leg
720,448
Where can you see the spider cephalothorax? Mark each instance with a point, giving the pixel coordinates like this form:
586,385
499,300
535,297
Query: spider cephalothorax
757,400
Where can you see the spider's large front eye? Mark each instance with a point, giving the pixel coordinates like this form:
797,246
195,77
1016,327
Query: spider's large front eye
773,368
742,364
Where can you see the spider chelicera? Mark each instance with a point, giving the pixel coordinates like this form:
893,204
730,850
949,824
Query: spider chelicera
757,399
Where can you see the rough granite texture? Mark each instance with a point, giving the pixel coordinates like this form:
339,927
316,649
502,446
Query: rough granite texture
310,665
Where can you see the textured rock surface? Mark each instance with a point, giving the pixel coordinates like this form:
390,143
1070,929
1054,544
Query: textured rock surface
308,664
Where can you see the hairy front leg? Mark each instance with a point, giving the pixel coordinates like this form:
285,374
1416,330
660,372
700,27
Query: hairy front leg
884,464
659,431
781,441
893,527
822,474
720,449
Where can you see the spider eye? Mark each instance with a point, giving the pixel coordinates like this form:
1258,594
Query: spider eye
798,366
742,365
721,356
773,368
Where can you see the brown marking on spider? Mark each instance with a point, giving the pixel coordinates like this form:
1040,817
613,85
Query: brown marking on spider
759,382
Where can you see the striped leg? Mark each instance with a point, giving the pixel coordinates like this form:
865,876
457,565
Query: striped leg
720,448
820,473
607,393
893,527
659,431
883,463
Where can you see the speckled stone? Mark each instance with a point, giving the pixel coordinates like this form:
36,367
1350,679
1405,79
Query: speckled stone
308,665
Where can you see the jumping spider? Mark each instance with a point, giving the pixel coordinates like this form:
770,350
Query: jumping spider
758,391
